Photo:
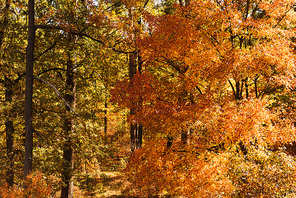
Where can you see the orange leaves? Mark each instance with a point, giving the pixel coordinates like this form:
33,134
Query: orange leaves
128,94
156,169
247,122
198,58
36,186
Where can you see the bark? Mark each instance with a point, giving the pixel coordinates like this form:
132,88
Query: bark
185,134
29,91
247,88
4,23
9,128
135,65
170,140
139,136
136,129
133,130
256,88
132,65
133,126
237,85
69,127
105,122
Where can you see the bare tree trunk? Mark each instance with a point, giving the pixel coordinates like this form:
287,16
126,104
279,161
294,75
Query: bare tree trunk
185,134
133,126
9,128
69,127
105,122
4,23
136,129
29,91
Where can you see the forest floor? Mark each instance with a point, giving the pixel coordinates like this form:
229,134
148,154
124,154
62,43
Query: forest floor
113,184
107,178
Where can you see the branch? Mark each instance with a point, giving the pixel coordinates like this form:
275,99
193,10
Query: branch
145,4
173,64
52,69
57,92
45,51
256,88
53,27
37,133
198,89
232,87
285,14
262,92
247,9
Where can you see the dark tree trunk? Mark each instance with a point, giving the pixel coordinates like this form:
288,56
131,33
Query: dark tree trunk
133,127
170,140
4,23
247,88
105,123
29,92
69,127
185,136
237,86
9,128
136,129
9,143
133,131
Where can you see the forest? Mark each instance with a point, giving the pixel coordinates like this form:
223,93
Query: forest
147,98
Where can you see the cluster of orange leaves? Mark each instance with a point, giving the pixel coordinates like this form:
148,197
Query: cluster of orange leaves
159,170
36,187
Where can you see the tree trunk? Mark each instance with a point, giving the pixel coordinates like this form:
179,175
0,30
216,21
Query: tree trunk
105,122
29,91
136,129
185,134
4,23
9,128
69,127
133,126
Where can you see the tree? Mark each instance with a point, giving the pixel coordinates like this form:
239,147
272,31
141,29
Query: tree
213,72
29,90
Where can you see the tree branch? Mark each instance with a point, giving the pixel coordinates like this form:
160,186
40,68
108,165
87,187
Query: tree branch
81,34
52,69
232,87
57,92
45,51
285,14
145,4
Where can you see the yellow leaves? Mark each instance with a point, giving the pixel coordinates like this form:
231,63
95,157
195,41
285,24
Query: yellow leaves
261,172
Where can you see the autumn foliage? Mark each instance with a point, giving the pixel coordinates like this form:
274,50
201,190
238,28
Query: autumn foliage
36,186
192,98
218,72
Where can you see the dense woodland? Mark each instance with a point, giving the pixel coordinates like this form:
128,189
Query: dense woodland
176,98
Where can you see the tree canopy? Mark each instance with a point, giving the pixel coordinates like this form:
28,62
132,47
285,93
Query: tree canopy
182,98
